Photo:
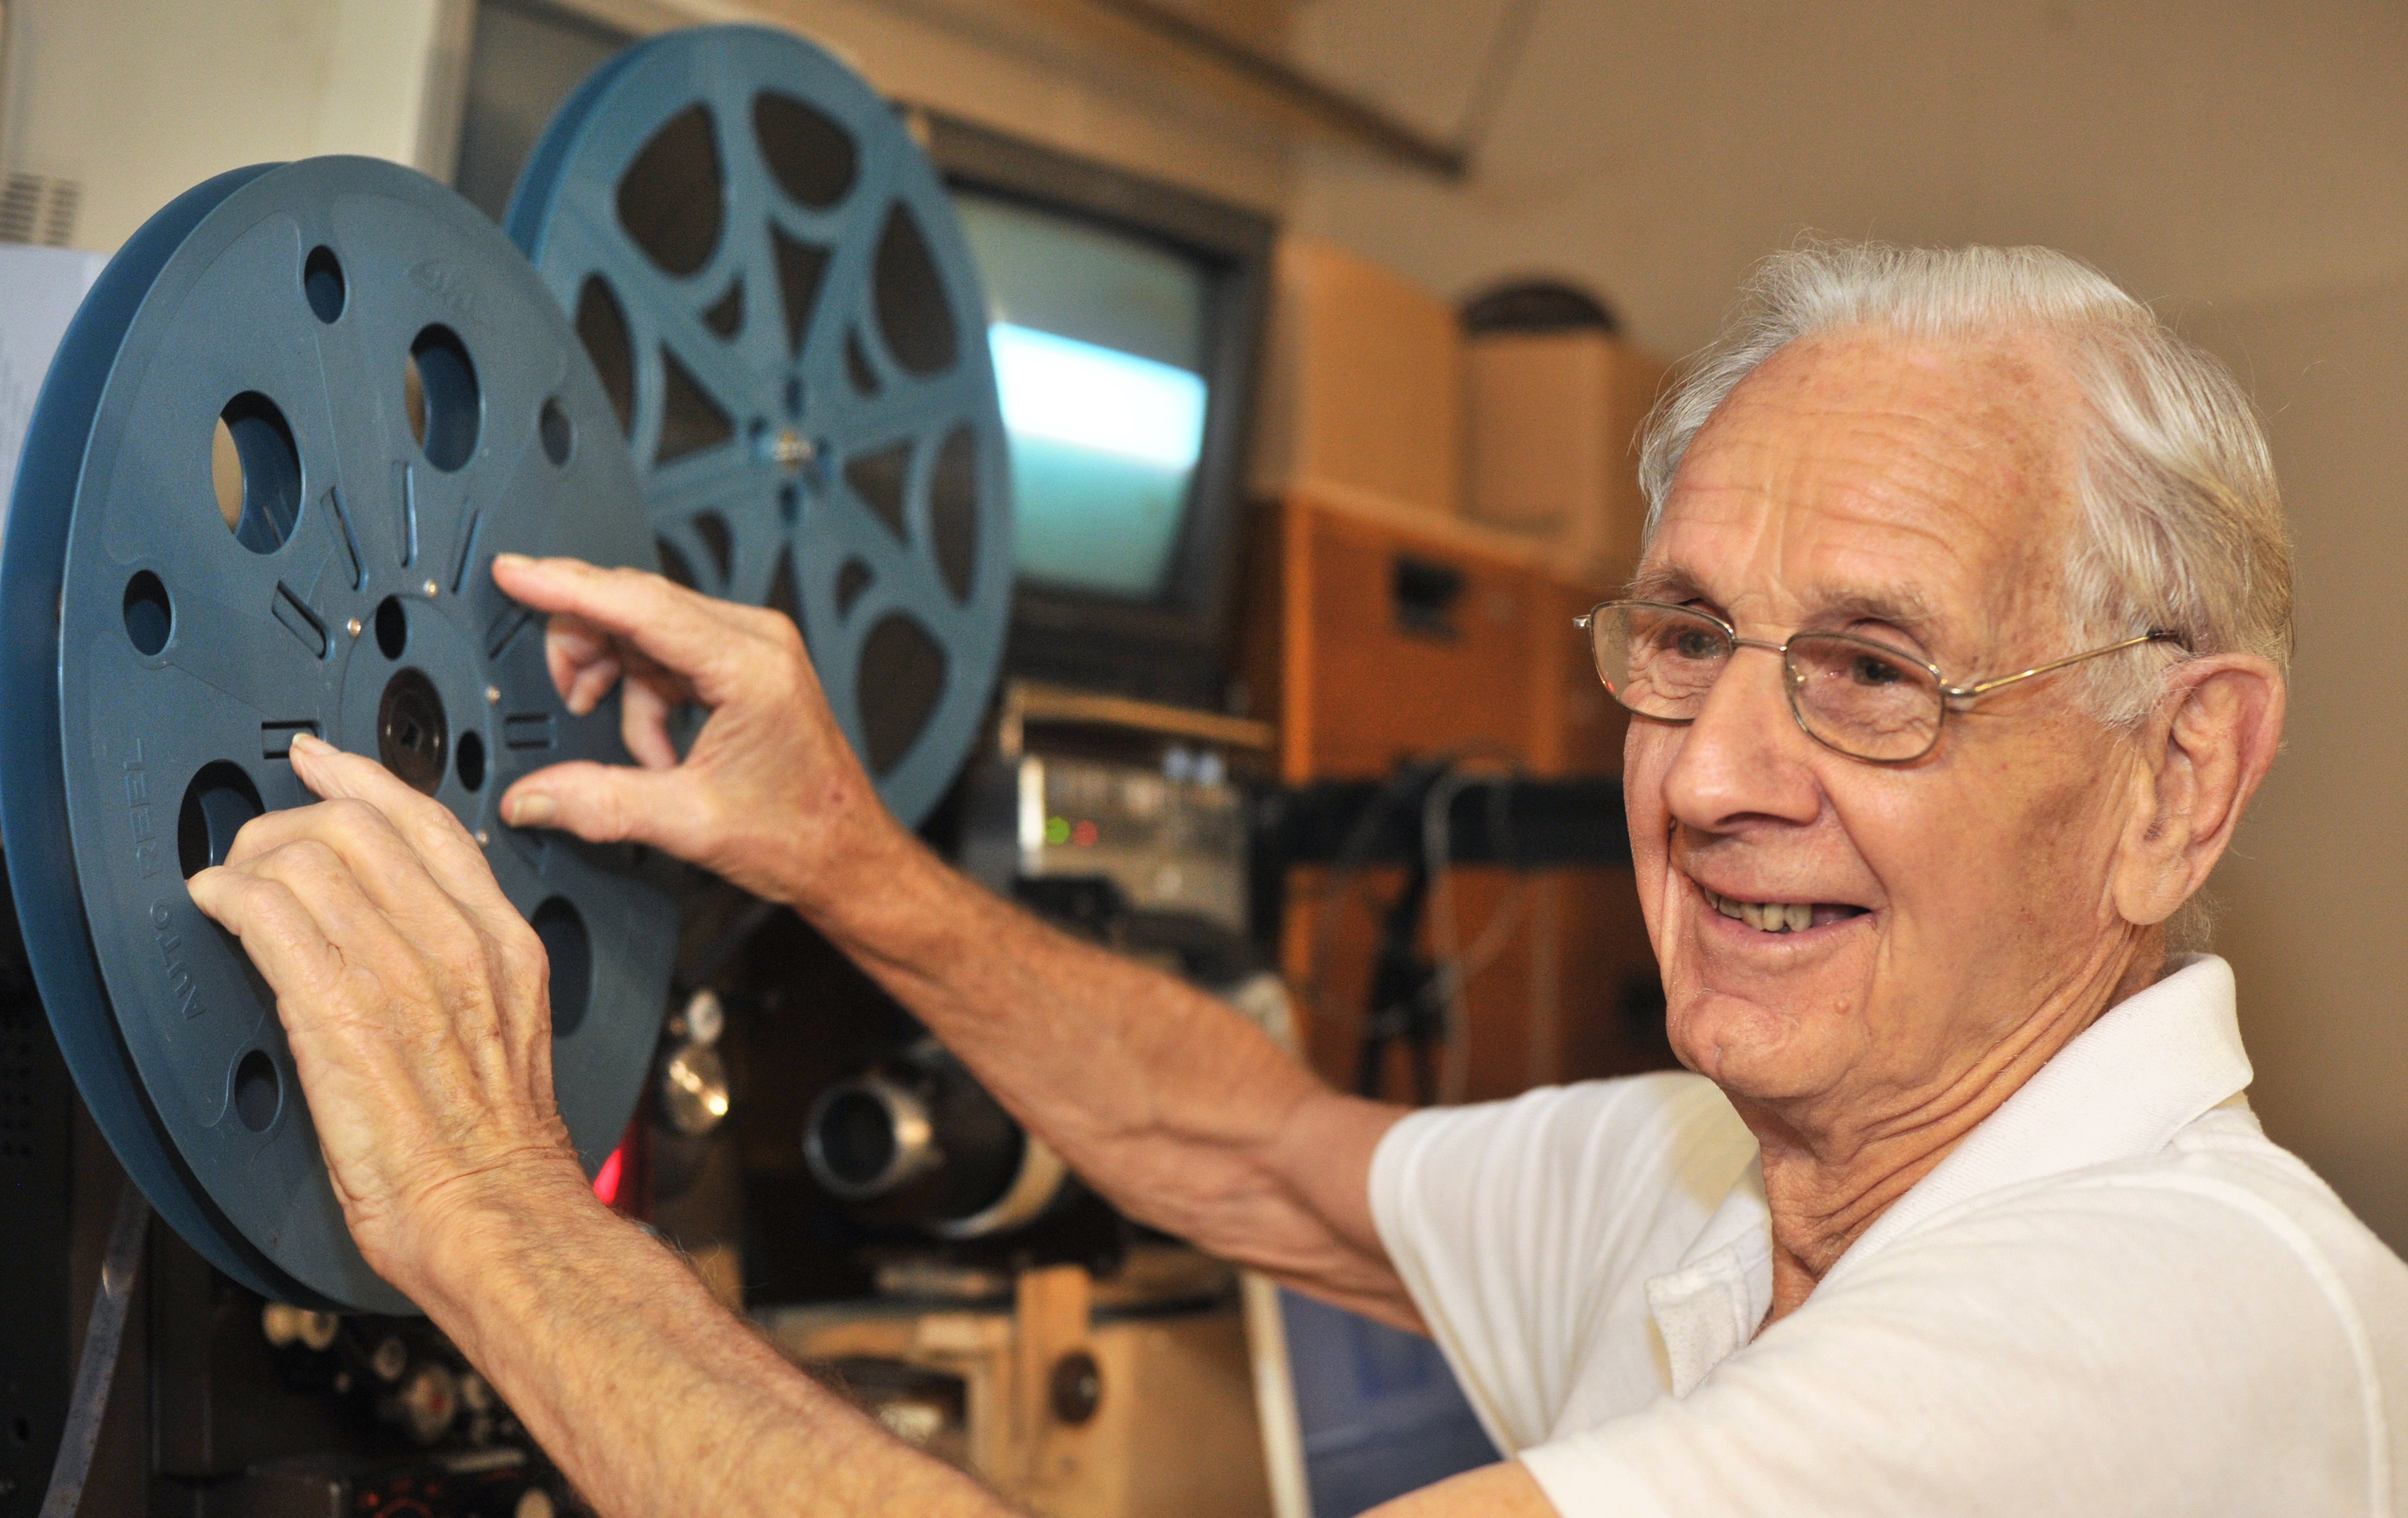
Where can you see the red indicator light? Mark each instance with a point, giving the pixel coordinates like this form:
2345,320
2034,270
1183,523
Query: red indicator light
1083,835
606,1181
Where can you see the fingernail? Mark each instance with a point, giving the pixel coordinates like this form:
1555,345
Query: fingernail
516,561
312,743
532,810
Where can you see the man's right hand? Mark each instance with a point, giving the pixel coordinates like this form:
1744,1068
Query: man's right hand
1172,1106
769,795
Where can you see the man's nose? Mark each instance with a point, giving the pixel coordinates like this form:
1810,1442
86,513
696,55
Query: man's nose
1744,754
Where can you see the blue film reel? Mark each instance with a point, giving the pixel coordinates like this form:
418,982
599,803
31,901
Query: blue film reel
774,288
394,399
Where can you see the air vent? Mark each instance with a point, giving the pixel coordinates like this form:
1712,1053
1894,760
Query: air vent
39,208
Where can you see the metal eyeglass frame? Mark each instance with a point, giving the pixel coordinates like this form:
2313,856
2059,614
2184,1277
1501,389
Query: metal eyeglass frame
1949,695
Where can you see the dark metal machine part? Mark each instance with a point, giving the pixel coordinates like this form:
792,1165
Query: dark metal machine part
157,664
917,1139
1514,820
104,1334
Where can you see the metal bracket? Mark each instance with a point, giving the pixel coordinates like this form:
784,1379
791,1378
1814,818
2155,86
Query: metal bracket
104,1334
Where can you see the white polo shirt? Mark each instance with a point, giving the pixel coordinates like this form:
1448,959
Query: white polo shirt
2116,1295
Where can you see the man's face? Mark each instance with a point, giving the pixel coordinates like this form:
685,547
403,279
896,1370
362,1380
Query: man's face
1919,494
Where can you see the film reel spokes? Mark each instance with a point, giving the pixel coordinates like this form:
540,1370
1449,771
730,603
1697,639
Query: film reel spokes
395,400
772,286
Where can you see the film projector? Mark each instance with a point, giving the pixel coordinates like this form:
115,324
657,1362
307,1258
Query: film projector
730,331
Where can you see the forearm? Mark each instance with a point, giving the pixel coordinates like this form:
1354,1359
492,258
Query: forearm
1173,1106
1182,1112
652,1399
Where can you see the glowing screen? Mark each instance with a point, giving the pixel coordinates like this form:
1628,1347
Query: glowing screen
1098,339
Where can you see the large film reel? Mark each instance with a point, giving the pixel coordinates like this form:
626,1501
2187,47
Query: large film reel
774,288
406,401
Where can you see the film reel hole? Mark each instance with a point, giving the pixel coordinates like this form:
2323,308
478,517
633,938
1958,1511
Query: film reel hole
907,668
570,953
258,1091
851,581
219,800
913,315
720,538
879,480
724,316
255,466
553,426
812,158
602,327
675,567
670,201
471,763
149,616
411,733
856,365
391,627
783,595
691,421
448,412
801,267
322,283
953,510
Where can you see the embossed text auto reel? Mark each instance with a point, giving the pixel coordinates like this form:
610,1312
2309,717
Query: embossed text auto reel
771,284
395,399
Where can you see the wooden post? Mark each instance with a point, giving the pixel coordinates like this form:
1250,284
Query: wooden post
1049,1325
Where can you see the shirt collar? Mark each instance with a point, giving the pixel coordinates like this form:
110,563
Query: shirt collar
1709,1306
2151,1066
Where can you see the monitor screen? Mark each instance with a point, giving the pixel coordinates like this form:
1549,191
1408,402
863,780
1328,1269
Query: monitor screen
1099,340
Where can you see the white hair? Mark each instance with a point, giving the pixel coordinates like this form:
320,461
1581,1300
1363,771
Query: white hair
2180,526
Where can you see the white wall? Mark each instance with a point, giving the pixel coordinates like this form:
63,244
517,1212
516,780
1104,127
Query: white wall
139,100
1052,75
2312,893
2245,164
2215,148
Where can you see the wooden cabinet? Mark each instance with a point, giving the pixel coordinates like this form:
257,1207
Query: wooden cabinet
1376,635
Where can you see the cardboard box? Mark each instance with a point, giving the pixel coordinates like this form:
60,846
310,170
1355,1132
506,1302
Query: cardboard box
1363,385
1551,421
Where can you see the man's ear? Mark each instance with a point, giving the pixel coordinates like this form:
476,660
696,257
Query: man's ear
2202,754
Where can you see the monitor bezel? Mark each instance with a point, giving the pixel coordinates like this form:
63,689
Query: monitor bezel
1176,645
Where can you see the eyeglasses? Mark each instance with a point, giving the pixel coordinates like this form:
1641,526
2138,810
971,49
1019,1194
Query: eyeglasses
1852,695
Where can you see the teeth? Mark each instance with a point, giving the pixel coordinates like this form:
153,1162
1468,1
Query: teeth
1768,916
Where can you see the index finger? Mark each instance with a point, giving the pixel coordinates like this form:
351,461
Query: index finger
441,844
684,630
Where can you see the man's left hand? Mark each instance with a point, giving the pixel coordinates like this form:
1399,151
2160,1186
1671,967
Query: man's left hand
415,999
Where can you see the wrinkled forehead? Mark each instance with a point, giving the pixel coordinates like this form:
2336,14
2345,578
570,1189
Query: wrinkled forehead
1857,472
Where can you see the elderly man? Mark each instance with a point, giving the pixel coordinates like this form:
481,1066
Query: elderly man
1955,652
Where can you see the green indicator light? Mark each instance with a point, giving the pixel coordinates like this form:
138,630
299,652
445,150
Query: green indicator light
1058,831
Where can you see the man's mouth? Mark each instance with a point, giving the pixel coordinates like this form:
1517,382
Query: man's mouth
1783,916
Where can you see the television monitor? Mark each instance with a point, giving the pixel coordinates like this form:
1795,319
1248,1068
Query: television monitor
1124,318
